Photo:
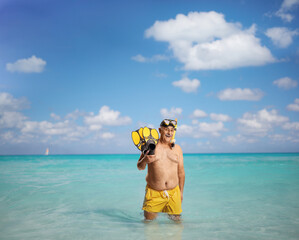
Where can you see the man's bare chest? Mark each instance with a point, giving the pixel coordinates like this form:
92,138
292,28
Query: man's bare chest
166,157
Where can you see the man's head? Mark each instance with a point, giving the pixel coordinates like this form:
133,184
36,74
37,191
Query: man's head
167,129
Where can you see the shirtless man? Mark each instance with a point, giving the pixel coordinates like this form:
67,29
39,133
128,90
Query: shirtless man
165,176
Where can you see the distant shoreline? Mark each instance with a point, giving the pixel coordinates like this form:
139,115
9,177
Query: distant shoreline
101,154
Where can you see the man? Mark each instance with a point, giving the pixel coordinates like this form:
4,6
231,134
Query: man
165,176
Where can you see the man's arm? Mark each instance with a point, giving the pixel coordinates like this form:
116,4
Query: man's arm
145,159
141,164
181,171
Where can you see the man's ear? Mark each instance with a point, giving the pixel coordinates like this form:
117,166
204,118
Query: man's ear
160,130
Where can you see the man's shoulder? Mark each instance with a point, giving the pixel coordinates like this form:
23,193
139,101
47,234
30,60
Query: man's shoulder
177,147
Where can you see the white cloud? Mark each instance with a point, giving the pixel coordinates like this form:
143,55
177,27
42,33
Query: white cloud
220,117
280,137
195,121
202,129
55,116
155,58
247,94
286,6
285,83
197,113
284,138
47,128
107,135
294,106
139,58
7,136
281,36
16,128
261,123
11,119
172,113
284,16
161,75
9,103
205,145
205,40
185,130
159,57
77,133
212,128
187,85
106,116
67,130
29,65
234,139
237,139
291,126
75,114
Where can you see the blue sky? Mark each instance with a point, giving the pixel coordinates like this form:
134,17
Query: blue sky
79,76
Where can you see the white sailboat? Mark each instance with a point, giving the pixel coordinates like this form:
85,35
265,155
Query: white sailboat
47,151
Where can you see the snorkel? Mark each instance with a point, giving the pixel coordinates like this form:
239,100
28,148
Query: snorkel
173,136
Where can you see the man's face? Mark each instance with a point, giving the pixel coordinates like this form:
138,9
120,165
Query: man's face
166,133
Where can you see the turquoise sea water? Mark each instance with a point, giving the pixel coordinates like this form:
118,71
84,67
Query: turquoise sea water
227,196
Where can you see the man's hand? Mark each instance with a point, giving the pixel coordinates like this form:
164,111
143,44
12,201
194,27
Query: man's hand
145,159
149,158
181,197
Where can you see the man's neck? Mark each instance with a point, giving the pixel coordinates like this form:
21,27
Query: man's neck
164,143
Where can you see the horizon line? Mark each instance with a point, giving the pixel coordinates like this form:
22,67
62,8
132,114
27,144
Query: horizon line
67,154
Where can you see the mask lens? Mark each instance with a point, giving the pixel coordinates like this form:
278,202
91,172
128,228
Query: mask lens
166,121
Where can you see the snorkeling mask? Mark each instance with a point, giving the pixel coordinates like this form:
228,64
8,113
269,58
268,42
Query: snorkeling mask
145,139
169,122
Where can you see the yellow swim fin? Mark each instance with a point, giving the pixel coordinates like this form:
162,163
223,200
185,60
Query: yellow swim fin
145,139
138,139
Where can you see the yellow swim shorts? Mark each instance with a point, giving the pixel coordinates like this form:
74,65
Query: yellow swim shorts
168,201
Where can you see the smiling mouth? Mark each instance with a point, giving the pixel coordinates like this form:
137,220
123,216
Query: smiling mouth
167,135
